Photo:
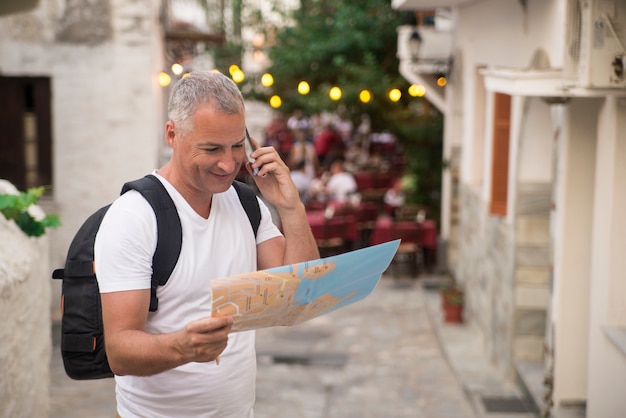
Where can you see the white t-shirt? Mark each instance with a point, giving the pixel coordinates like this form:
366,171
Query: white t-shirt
220,246
340,185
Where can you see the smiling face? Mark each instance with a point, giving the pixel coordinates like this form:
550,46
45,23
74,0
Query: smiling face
206,159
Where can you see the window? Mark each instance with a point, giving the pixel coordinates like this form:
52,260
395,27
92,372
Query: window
500,155
25,131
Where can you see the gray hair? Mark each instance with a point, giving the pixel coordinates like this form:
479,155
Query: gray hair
200,88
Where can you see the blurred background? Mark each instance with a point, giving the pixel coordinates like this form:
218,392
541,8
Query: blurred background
488,135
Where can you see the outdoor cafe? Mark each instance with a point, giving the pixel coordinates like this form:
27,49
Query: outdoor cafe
364,221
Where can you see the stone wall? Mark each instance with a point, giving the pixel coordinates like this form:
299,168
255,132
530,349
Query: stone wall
505,268
485,266
25,326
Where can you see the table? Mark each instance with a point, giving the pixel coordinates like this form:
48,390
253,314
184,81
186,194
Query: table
417,246
424,233
338,226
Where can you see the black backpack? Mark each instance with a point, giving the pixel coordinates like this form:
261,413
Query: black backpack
82,339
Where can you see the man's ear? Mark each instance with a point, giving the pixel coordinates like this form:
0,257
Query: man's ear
170,133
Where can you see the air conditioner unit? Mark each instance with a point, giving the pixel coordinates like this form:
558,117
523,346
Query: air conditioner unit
595,54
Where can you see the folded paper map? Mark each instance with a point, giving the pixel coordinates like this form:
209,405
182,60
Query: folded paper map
292,294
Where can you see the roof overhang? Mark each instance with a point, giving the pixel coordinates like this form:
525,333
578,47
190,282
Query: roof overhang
427,4
539,83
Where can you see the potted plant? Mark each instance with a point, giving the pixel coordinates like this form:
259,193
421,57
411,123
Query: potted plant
452,302
17,207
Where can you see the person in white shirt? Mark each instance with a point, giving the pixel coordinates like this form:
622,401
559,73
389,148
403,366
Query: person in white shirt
165,361
394,198
341,184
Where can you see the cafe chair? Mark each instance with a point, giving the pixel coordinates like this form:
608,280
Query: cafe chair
366,215
331,237
407,259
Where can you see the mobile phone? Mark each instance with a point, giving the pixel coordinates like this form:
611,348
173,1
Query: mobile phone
249,148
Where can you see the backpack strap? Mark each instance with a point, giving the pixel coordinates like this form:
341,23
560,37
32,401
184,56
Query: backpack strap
250,204
169,231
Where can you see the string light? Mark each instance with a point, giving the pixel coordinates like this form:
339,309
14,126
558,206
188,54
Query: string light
334,93
177,69
304,88
164,79
395,95
365,96
233,68
267,80
238,76
417,90
275,101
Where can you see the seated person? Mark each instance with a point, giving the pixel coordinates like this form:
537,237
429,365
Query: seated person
302,180
394,198
341,184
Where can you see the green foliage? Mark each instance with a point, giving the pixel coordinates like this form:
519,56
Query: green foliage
344,43
353,44
452,294
15,207
422,138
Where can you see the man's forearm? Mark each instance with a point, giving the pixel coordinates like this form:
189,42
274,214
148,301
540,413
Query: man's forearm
139,353
134,352
300,244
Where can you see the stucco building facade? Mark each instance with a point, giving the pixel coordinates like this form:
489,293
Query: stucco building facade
535,108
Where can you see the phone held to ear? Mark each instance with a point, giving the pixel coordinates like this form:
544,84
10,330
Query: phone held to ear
249,150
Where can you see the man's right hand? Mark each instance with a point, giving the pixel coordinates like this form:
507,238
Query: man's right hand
205,339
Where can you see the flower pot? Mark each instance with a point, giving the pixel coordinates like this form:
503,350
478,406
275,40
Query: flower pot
453,313
451,296
452,301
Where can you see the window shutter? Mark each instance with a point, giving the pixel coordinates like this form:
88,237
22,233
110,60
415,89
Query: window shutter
500,161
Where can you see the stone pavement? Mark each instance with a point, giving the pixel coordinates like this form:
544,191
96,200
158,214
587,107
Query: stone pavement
388,355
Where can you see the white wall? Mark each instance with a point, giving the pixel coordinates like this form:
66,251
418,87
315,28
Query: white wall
536,145
107,117
481,27
572,247
25,324
607,364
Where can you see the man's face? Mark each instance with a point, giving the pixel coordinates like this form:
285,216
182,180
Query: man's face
210,156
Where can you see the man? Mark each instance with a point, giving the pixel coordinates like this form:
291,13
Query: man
165,361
